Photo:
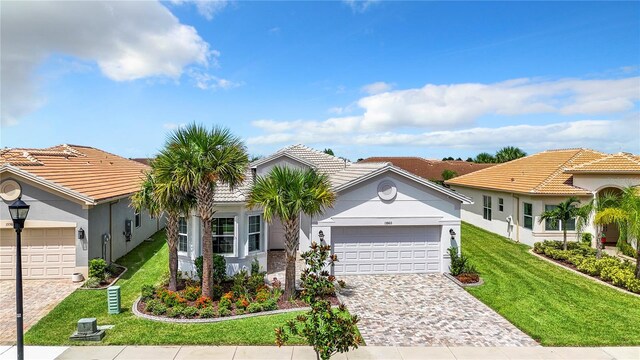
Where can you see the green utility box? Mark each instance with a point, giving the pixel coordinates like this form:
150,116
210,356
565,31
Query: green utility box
113,299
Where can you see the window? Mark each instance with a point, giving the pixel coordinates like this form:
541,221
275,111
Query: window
182,234
528,216
223,233
500,204
486,204
137,219
254,233
548,226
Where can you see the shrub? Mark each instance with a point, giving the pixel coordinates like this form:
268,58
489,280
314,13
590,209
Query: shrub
219,268
254,307
203,302
190,311
626,249
229,296
191,293
240,311
171,298
633,285
223,312
263,295
587,238
458,262
97,268
276,284
576,259
92,282
607,273
242,303
159,309
588,266
173,312
224,303
538,248
270,304
147,291
254,282
255,266
207,312
151,304
605,262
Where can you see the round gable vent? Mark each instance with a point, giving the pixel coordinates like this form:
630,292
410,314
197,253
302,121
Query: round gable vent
10,190
387,190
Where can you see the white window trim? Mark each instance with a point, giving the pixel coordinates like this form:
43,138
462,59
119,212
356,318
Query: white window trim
261,233
501,204
184,253
490,207
524,216
235,234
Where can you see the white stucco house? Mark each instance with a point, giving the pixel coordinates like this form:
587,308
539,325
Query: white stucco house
80,209
509,198
384,220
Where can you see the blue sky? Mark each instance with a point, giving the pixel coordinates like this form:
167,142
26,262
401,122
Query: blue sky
424,79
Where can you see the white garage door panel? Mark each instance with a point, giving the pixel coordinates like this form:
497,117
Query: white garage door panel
46,253
379,250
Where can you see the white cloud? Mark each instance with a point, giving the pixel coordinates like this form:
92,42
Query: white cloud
207,8
206,81
173,126
127,40
443,106
606,135
359,6
376,88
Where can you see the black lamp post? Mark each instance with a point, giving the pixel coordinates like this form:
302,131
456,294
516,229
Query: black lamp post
18,211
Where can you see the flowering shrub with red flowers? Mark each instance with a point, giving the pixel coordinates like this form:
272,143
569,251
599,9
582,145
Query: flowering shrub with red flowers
242,303
228,296
203,302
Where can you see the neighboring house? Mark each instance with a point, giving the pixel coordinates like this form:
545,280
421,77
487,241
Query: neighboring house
384,220
429,169
509,197
80,209
146,161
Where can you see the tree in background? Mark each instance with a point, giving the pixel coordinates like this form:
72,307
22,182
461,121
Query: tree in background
509,153
484,158
328,151
448,174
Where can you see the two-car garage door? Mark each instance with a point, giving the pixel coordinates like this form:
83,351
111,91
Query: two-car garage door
46,253
386,249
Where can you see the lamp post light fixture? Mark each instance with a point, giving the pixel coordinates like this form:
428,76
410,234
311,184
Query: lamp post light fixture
453,234
321,236
18,211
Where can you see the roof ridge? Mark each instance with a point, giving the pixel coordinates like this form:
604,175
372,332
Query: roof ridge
322,153
494,166
627,156
559,170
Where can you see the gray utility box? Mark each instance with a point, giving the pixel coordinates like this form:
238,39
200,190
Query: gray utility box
113,299
88,330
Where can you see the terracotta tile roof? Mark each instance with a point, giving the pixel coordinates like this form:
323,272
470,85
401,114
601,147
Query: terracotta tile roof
620,163
428,169
224,194
541,173
91,172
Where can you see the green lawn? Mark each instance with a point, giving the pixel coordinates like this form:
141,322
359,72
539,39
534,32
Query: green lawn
146,265
553,305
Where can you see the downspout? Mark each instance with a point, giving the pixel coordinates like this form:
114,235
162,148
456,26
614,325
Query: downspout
111,229
517,219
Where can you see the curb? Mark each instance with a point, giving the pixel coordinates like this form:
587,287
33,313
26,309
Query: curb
582,274
461,284
135,311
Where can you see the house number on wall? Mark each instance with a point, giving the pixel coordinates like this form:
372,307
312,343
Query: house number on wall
388,222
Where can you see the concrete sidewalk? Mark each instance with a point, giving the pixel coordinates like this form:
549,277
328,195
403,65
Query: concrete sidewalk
306,353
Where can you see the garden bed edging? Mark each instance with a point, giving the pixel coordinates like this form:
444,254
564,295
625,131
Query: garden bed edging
108,285
460,283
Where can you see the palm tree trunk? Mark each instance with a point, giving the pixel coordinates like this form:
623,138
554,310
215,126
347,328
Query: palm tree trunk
204,196
564,235
598,244
172,243
638,259
292,238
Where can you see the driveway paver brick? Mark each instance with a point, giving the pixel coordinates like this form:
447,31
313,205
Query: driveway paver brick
424,310
39,297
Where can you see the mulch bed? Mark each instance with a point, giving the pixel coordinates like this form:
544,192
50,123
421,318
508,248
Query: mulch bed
468,278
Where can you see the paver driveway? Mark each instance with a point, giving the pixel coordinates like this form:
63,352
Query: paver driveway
40,297
425,310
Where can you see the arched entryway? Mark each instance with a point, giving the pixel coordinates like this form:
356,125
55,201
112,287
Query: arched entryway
611,231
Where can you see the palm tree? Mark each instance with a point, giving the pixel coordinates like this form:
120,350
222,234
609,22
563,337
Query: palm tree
287,193
563,212
484,157
203,159
625,214
604,201
157,199
509,153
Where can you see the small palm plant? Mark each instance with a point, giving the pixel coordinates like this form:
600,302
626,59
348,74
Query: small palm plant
563,213
287,193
